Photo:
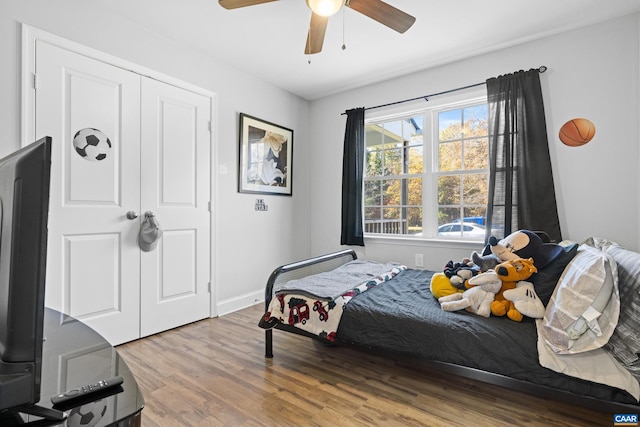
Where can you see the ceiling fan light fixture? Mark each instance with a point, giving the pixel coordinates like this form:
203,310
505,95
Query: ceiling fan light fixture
325,7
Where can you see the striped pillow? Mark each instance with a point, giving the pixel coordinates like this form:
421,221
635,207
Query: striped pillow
587,289
625,341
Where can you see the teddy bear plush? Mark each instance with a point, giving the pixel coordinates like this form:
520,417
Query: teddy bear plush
511,272
477,299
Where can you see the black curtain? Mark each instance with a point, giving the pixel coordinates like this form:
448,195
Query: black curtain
352,175
521,191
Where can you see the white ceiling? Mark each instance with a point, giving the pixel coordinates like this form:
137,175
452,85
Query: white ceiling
268,40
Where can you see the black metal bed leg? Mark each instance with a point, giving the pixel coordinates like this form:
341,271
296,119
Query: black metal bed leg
268,343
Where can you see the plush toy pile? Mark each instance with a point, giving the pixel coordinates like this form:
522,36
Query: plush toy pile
494,282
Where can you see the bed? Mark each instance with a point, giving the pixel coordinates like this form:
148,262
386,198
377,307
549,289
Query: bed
392,312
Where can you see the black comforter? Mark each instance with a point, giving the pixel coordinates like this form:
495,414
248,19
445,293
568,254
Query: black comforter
402,316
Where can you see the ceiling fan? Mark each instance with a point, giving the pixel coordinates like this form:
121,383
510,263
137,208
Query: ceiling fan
321,10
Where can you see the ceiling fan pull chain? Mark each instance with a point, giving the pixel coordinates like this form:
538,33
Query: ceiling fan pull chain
309,40
344,45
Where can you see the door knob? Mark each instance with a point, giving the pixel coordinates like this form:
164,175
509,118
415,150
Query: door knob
132,215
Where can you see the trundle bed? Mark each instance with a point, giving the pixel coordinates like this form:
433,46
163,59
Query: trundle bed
392,312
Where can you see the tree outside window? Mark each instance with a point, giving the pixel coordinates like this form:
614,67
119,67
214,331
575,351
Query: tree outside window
396,197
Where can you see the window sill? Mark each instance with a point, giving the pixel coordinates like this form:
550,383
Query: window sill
424,242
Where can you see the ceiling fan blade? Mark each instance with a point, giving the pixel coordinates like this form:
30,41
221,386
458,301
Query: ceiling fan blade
383,13
235,4
315,38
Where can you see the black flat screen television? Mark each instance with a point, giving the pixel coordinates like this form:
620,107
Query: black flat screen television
24,211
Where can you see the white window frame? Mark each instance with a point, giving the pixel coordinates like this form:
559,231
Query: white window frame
429,109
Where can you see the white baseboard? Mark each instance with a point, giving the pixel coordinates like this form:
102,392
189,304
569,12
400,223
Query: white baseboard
238,303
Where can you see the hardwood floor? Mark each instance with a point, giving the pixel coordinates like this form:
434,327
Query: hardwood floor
214,373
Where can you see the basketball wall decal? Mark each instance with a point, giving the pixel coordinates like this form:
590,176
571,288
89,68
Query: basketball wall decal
577,132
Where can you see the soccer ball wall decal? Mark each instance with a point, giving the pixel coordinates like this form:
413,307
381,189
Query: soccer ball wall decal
91,144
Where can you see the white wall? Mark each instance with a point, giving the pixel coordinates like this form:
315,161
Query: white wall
593,73
249,243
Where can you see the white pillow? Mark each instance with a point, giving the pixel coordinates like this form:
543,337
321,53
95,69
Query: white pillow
584,308
597,365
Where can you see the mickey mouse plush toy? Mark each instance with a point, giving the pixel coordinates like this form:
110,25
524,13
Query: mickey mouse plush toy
523,244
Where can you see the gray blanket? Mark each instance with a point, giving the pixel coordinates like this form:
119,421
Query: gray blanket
403,317
332,284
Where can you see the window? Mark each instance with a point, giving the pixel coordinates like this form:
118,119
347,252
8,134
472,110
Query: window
426,172
393,176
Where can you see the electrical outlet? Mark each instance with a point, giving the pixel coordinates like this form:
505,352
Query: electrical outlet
419,260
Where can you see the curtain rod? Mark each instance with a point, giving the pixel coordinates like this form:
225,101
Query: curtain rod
542,69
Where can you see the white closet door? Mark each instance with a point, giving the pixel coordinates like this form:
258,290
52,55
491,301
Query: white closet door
93,266
175,159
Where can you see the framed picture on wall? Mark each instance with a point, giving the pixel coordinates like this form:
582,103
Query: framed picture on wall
265,157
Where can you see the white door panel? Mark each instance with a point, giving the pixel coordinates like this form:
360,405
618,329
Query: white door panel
94,102
175,157
158,160
180,280
93,286
92,252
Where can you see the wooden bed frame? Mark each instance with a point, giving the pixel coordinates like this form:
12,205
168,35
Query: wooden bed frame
331,261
